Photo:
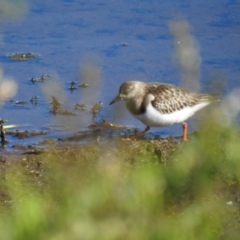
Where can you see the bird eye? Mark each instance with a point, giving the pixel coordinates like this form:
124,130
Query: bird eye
129,88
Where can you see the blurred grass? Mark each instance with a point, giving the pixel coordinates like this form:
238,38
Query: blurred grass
113,190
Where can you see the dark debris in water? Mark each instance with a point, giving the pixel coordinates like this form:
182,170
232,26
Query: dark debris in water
124,44
21,102
74,86
105,124
41,79
26,134
34,99
62,112
73,83
22,56
83,85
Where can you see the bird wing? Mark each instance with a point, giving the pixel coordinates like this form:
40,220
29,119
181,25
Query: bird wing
169,98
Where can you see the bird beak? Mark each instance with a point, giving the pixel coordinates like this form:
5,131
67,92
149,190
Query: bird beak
116,99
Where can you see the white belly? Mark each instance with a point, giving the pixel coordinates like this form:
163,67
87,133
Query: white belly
154,118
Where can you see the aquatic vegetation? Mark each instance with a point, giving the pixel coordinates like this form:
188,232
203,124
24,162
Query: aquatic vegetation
22,56
57,108
83,85
80,106
96,108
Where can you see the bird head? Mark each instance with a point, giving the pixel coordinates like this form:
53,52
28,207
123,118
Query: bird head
127,91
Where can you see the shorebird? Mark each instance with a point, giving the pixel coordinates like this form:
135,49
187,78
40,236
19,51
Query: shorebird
159,104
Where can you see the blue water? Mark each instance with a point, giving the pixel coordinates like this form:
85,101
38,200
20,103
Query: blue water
65,34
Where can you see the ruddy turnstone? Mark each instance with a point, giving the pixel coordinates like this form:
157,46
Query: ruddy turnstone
159,104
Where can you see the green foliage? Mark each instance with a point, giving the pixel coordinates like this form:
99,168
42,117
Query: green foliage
136,190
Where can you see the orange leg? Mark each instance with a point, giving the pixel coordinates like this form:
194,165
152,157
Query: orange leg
136,137
184,125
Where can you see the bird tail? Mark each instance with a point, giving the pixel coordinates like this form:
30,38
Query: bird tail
209,97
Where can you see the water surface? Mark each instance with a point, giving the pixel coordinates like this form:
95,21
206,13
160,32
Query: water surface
107,43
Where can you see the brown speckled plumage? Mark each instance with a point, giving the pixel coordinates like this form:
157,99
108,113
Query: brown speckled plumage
169,98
